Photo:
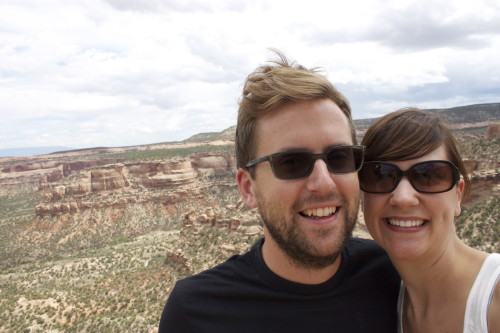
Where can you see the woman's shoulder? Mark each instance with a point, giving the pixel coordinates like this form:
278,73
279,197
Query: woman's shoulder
494,312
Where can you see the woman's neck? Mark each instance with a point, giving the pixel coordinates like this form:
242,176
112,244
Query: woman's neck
437,288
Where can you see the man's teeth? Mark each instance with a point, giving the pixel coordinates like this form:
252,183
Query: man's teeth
320,212
407,223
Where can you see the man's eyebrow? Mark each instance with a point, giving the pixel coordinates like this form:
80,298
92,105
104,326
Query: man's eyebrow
292,149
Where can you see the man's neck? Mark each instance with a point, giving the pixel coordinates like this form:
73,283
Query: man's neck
284,266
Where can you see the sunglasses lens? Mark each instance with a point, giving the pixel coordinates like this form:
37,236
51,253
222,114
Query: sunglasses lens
431,177
292,165
344,159
425,177
295,165
378,177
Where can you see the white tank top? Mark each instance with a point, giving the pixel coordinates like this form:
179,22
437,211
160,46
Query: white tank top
478,302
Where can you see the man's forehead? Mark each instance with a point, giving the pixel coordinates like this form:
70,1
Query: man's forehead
314,126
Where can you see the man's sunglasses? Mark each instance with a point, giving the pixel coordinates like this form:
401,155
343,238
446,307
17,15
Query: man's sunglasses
295,164
425,177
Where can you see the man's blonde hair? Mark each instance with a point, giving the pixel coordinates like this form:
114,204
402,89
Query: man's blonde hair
271,86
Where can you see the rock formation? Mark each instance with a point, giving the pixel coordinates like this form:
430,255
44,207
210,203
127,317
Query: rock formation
94,194
493,131
70,191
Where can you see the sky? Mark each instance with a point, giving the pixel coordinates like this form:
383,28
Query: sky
95,73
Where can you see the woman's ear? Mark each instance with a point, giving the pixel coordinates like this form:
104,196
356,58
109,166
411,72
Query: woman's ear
460,195
246,186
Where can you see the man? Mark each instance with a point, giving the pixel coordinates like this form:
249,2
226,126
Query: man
297,163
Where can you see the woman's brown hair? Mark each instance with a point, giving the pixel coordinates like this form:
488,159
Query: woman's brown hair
411,133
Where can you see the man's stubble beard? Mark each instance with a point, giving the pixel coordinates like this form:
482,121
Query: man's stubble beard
297,246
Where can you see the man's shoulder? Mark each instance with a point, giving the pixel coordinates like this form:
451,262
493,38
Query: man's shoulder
367,253
364,246
364,256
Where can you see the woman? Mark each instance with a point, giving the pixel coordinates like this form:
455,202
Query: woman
413,181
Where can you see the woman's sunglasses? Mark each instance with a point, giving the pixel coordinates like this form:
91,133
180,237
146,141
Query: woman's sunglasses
425,177
295,164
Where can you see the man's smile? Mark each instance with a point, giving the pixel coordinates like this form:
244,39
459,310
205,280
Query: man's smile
319,212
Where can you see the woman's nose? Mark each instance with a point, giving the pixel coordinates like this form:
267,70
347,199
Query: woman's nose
404,194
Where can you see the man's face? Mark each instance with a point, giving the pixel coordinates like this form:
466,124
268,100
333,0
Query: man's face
311,218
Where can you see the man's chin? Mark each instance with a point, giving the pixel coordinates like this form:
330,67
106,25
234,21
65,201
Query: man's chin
315,262
311,256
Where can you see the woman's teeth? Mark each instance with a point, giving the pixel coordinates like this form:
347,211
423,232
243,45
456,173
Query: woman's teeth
320,212
406,223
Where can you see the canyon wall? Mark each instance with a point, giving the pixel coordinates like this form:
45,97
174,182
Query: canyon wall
69,187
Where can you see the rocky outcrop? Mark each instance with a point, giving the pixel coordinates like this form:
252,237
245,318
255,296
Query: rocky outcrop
108,178
484,184
493,131
57,208
233,218
51,206
66,168
181,172
158,175
212,165
33,176
71,194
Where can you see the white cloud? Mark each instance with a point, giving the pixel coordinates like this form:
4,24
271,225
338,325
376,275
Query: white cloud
116,72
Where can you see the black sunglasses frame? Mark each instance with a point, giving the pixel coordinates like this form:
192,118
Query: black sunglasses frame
313,158
407,173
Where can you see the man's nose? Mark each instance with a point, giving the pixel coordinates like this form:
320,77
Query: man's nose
320,179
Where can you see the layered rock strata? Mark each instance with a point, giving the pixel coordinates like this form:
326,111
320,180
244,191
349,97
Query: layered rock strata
118,184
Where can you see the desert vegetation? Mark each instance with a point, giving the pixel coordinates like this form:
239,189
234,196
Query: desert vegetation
111,267
163,154
110,282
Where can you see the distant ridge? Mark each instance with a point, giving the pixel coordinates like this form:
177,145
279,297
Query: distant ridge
469,114
227,134
31,151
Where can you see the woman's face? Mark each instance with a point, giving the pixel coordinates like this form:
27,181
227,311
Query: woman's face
411,225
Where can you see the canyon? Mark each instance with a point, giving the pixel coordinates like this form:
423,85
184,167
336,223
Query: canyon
94,239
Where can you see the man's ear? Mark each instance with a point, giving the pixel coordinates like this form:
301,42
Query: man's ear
246,186
460,194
